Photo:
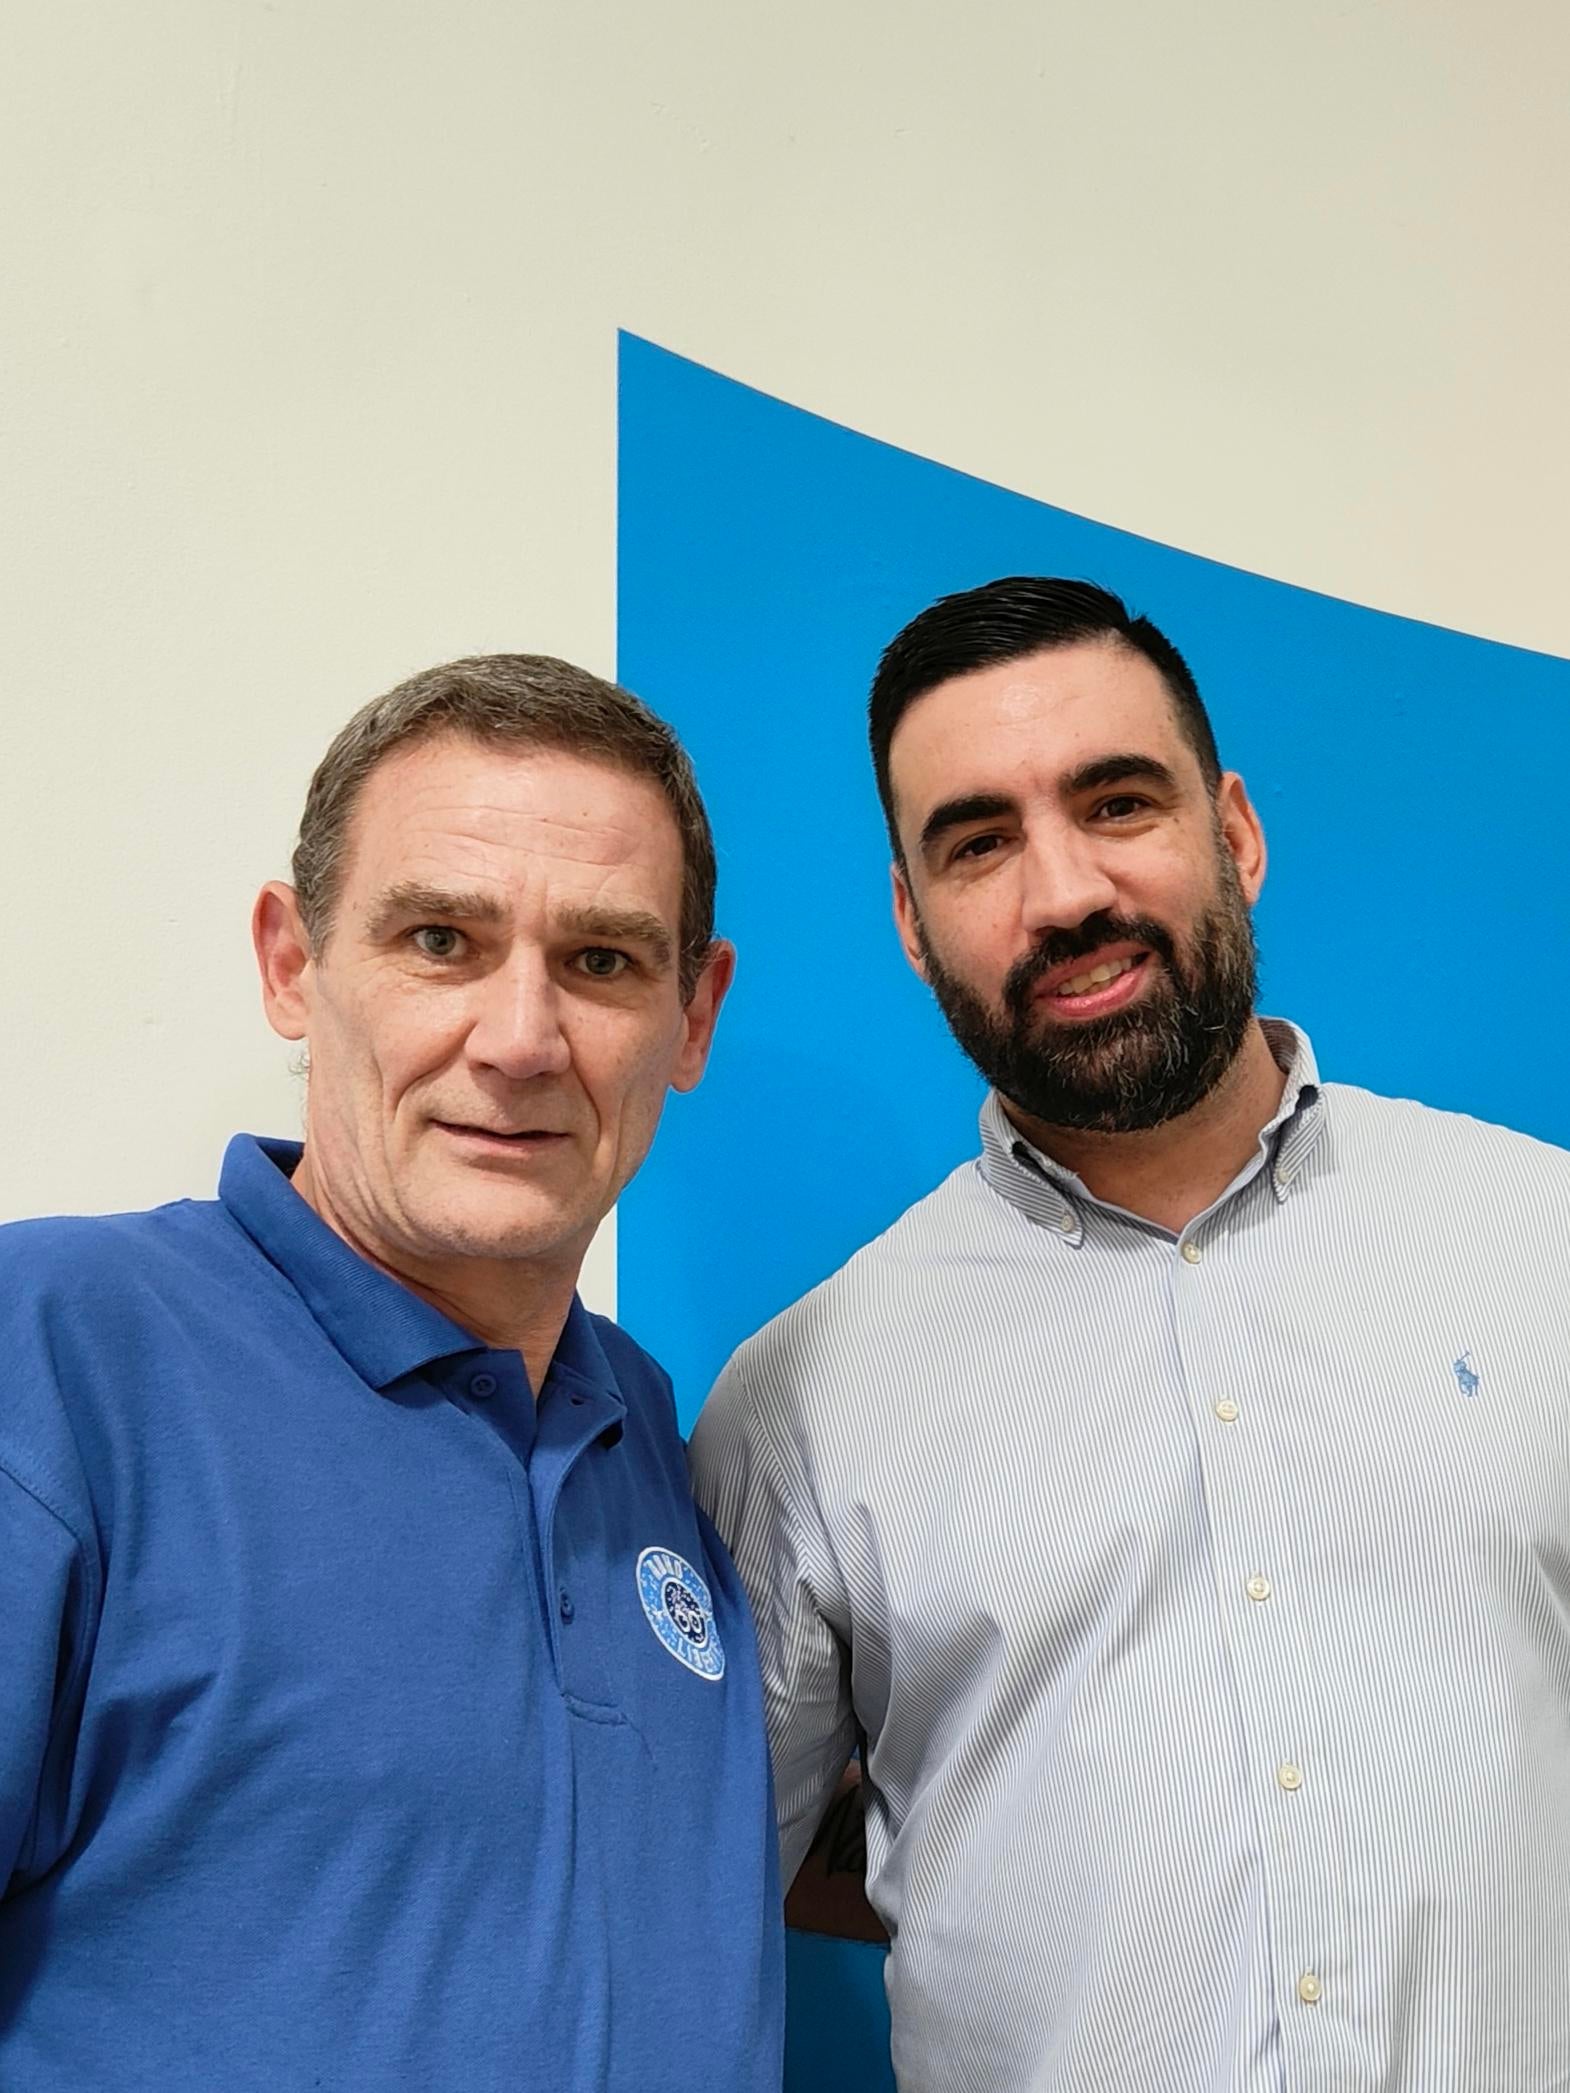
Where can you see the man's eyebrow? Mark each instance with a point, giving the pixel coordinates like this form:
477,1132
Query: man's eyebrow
1119,770
954,813
412,897
620,926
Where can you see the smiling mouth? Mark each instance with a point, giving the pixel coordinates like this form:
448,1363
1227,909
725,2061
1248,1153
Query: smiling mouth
1099,988
1098,977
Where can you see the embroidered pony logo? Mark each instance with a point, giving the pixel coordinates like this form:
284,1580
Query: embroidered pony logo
1468,1380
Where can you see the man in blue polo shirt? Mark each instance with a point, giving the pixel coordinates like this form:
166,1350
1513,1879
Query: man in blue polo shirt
376,1709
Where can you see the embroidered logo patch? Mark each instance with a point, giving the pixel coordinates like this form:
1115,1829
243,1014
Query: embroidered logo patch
680,1611
1468,1379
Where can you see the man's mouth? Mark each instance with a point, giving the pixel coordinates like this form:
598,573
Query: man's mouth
1109,970
1103,985
503,1139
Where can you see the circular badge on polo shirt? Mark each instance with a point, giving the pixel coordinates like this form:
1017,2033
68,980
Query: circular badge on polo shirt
678,1608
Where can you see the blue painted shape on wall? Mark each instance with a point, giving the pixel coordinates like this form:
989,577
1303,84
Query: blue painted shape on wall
1415,918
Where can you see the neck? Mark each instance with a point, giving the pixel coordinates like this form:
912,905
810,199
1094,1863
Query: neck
1170,1173
510,1305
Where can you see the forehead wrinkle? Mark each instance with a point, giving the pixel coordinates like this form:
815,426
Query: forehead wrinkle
485,864
452,779
613,899
526,828
434,828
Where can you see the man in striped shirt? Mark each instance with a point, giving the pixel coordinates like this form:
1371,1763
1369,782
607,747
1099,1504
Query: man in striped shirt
1177,1500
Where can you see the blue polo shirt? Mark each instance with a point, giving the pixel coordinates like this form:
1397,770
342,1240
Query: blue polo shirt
363,1723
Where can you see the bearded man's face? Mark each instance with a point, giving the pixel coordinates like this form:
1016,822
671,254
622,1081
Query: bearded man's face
1071,887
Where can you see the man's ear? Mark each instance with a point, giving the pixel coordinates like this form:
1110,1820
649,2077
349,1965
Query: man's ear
283,954
702,1014
905,921
1243,834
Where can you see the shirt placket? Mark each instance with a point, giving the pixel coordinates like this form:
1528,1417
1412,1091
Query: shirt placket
1265,1607
573,1415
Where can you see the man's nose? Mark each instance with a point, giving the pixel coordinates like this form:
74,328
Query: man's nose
1065,880
519,1025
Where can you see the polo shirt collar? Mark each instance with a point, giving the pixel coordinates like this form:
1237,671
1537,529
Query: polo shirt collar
1051,1195
579,1365
380,1327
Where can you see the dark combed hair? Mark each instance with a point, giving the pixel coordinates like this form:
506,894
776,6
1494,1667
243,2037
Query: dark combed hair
1005,621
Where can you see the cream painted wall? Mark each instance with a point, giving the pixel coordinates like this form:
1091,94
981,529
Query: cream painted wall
309,382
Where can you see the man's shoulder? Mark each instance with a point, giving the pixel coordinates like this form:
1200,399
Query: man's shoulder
880,1298
1402,1132
77,1294
104,1252
88,1300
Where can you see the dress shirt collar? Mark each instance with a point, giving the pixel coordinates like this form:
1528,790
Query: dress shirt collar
1052,1195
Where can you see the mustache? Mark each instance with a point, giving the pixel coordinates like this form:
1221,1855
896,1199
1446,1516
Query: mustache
1056,947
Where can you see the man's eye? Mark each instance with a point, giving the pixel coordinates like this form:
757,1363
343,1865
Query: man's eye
437,940
603,963
1122,805
978,846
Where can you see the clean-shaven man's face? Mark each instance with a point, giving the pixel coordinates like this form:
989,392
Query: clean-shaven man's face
1073,891
495,1017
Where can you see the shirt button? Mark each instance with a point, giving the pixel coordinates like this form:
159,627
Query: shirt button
567,1607
1309,1988
1258,1588
1227,1410
482,1385
1290,1777
1066,1220
1191,1253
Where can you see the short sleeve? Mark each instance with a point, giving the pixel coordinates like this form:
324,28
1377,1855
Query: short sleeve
43,1589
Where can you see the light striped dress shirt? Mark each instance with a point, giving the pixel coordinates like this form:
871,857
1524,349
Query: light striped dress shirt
1205,1604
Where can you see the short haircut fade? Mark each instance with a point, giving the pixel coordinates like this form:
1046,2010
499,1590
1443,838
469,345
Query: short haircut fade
521,701
1006,620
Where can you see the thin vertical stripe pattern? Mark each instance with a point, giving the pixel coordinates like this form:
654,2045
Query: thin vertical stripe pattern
1204,1602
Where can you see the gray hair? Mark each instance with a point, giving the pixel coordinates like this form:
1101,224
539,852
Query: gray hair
507,700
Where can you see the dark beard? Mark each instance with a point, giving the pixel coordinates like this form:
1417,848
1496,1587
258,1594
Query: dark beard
1136,1068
